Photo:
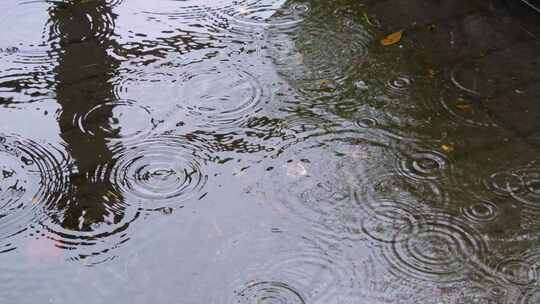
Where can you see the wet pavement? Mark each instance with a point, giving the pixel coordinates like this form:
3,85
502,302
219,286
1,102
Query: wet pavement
269,151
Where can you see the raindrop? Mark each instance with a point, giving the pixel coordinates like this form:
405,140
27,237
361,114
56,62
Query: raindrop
398,88
361,85
366,122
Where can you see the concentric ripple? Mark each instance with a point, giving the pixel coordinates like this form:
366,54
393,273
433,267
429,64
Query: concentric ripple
530,296
186,10
101,206
466,109
80,21
530,194
518,271
366,122
122,119
391,222
521,269
27,62
315,199
472,80
264,14
323,195
481,212
268,293
419,194
392,205
444,250
328,54
521,184
398,88
313,273
219,95
189,10
158,172
32,175
88,234
504,183
387,125
424,165
313,269
482,295
321,51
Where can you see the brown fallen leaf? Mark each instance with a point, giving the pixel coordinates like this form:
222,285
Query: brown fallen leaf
464,107
392,38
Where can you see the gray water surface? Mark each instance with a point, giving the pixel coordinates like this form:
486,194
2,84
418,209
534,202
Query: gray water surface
265,151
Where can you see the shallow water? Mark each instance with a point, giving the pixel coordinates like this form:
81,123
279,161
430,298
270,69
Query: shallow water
254,151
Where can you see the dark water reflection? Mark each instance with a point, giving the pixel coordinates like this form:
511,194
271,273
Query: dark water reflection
88,211
257,151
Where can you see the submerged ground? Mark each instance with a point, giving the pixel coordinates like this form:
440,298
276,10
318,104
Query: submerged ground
269,151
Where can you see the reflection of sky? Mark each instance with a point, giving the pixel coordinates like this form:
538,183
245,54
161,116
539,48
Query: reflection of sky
25,26
203,233
22,22
30,121
164,18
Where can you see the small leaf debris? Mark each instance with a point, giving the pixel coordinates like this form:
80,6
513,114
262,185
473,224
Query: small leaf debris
392,38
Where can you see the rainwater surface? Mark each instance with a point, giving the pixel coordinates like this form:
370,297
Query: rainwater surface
254,151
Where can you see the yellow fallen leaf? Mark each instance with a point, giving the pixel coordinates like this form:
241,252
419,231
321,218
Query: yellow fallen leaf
392,38
326,85
324,82
447,148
